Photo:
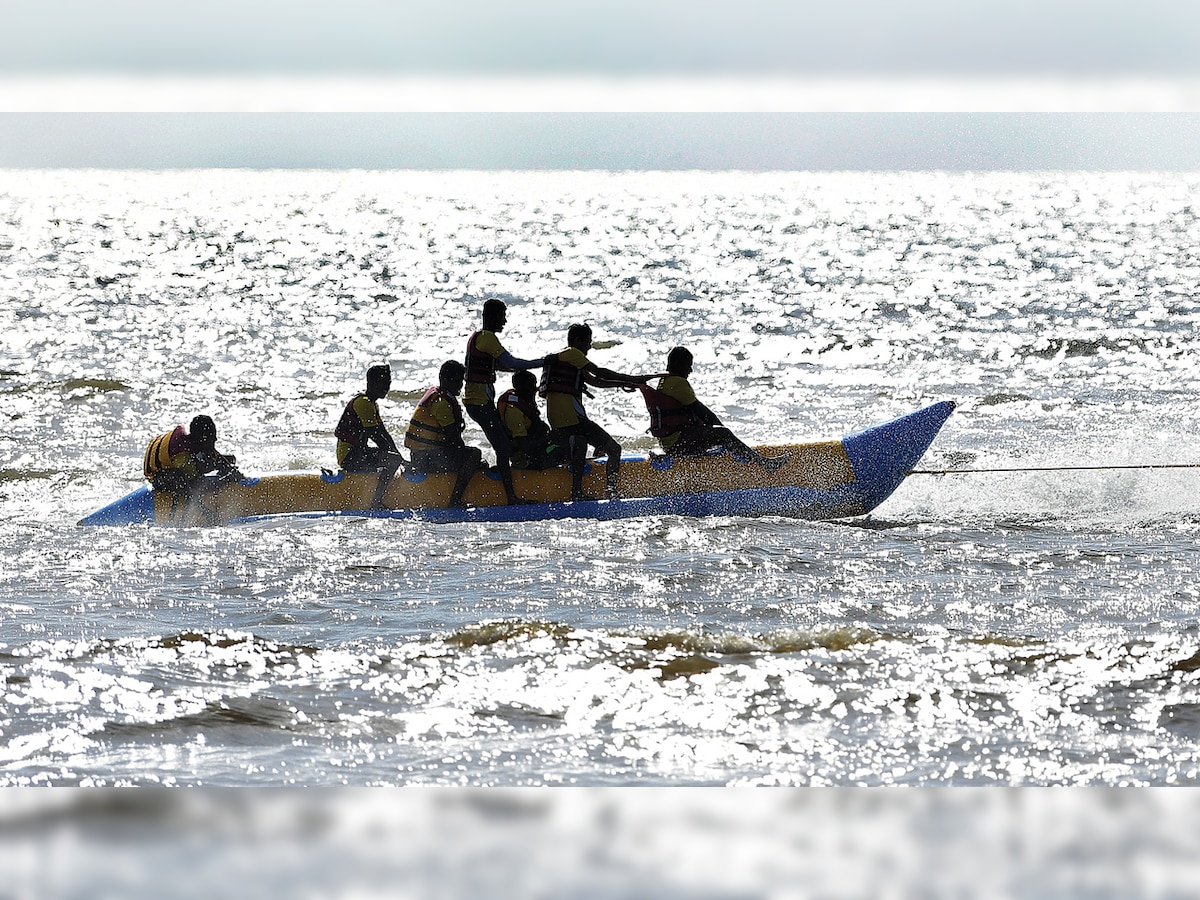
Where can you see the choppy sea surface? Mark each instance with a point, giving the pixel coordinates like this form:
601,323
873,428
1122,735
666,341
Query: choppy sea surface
1019,628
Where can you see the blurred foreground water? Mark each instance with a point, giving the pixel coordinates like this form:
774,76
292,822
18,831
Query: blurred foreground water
585,843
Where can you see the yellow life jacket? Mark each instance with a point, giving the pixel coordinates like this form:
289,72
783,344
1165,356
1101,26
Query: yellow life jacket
510,400
425,432
350,427
158,456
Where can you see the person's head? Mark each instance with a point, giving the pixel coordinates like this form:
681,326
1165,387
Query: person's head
579,336
203,432
451,375
495,314
525,384
679,361
379,381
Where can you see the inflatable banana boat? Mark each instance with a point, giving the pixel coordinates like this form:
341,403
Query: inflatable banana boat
821,480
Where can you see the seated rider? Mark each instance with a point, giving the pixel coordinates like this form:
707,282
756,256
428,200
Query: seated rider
180,460
361,426
564,375
435,434
686,427
532,445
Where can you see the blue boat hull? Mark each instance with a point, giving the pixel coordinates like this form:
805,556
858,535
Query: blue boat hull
876,463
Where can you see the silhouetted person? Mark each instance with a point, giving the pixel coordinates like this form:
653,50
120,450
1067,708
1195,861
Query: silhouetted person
435,434
686,427
530,436
563,378
484,356
364,444
185,460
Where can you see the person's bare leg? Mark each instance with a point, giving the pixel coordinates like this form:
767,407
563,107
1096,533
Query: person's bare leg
391,463
612,469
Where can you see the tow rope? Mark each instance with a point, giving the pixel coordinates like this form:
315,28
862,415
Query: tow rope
1051,469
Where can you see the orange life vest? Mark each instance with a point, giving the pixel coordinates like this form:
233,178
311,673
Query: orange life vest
560,377
667,415
350,427
510,399
481,367
158,456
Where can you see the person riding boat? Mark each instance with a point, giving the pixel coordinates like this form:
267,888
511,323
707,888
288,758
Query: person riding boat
564,376
686,427
361,426
435,434
532,444
484,356
180,461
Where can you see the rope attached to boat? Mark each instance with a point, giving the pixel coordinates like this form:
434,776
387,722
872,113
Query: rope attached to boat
1051,469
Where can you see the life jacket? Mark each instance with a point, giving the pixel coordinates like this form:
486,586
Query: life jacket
481,367
425,432
350,427
667,415
510,399
560,377
158,455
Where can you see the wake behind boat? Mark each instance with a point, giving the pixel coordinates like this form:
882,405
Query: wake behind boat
821,480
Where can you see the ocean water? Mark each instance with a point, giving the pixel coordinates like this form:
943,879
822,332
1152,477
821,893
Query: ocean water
1002,629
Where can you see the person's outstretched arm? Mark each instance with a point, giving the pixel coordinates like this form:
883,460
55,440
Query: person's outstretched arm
703,414
510,363
607,378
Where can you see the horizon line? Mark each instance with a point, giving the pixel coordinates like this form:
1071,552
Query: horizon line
295,93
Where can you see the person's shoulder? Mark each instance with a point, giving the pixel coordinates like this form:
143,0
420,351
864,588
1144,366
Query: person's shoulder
678,387
487,342
429,396
444,407
513,412
366,409
575,357
178,440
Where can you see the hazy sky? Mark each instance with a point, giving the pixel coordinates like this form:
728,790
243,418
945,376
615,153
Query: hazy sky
947,37
753,84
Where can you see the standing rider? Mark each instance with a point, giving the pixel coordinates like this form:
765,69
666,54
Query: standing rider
484,356
563,378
